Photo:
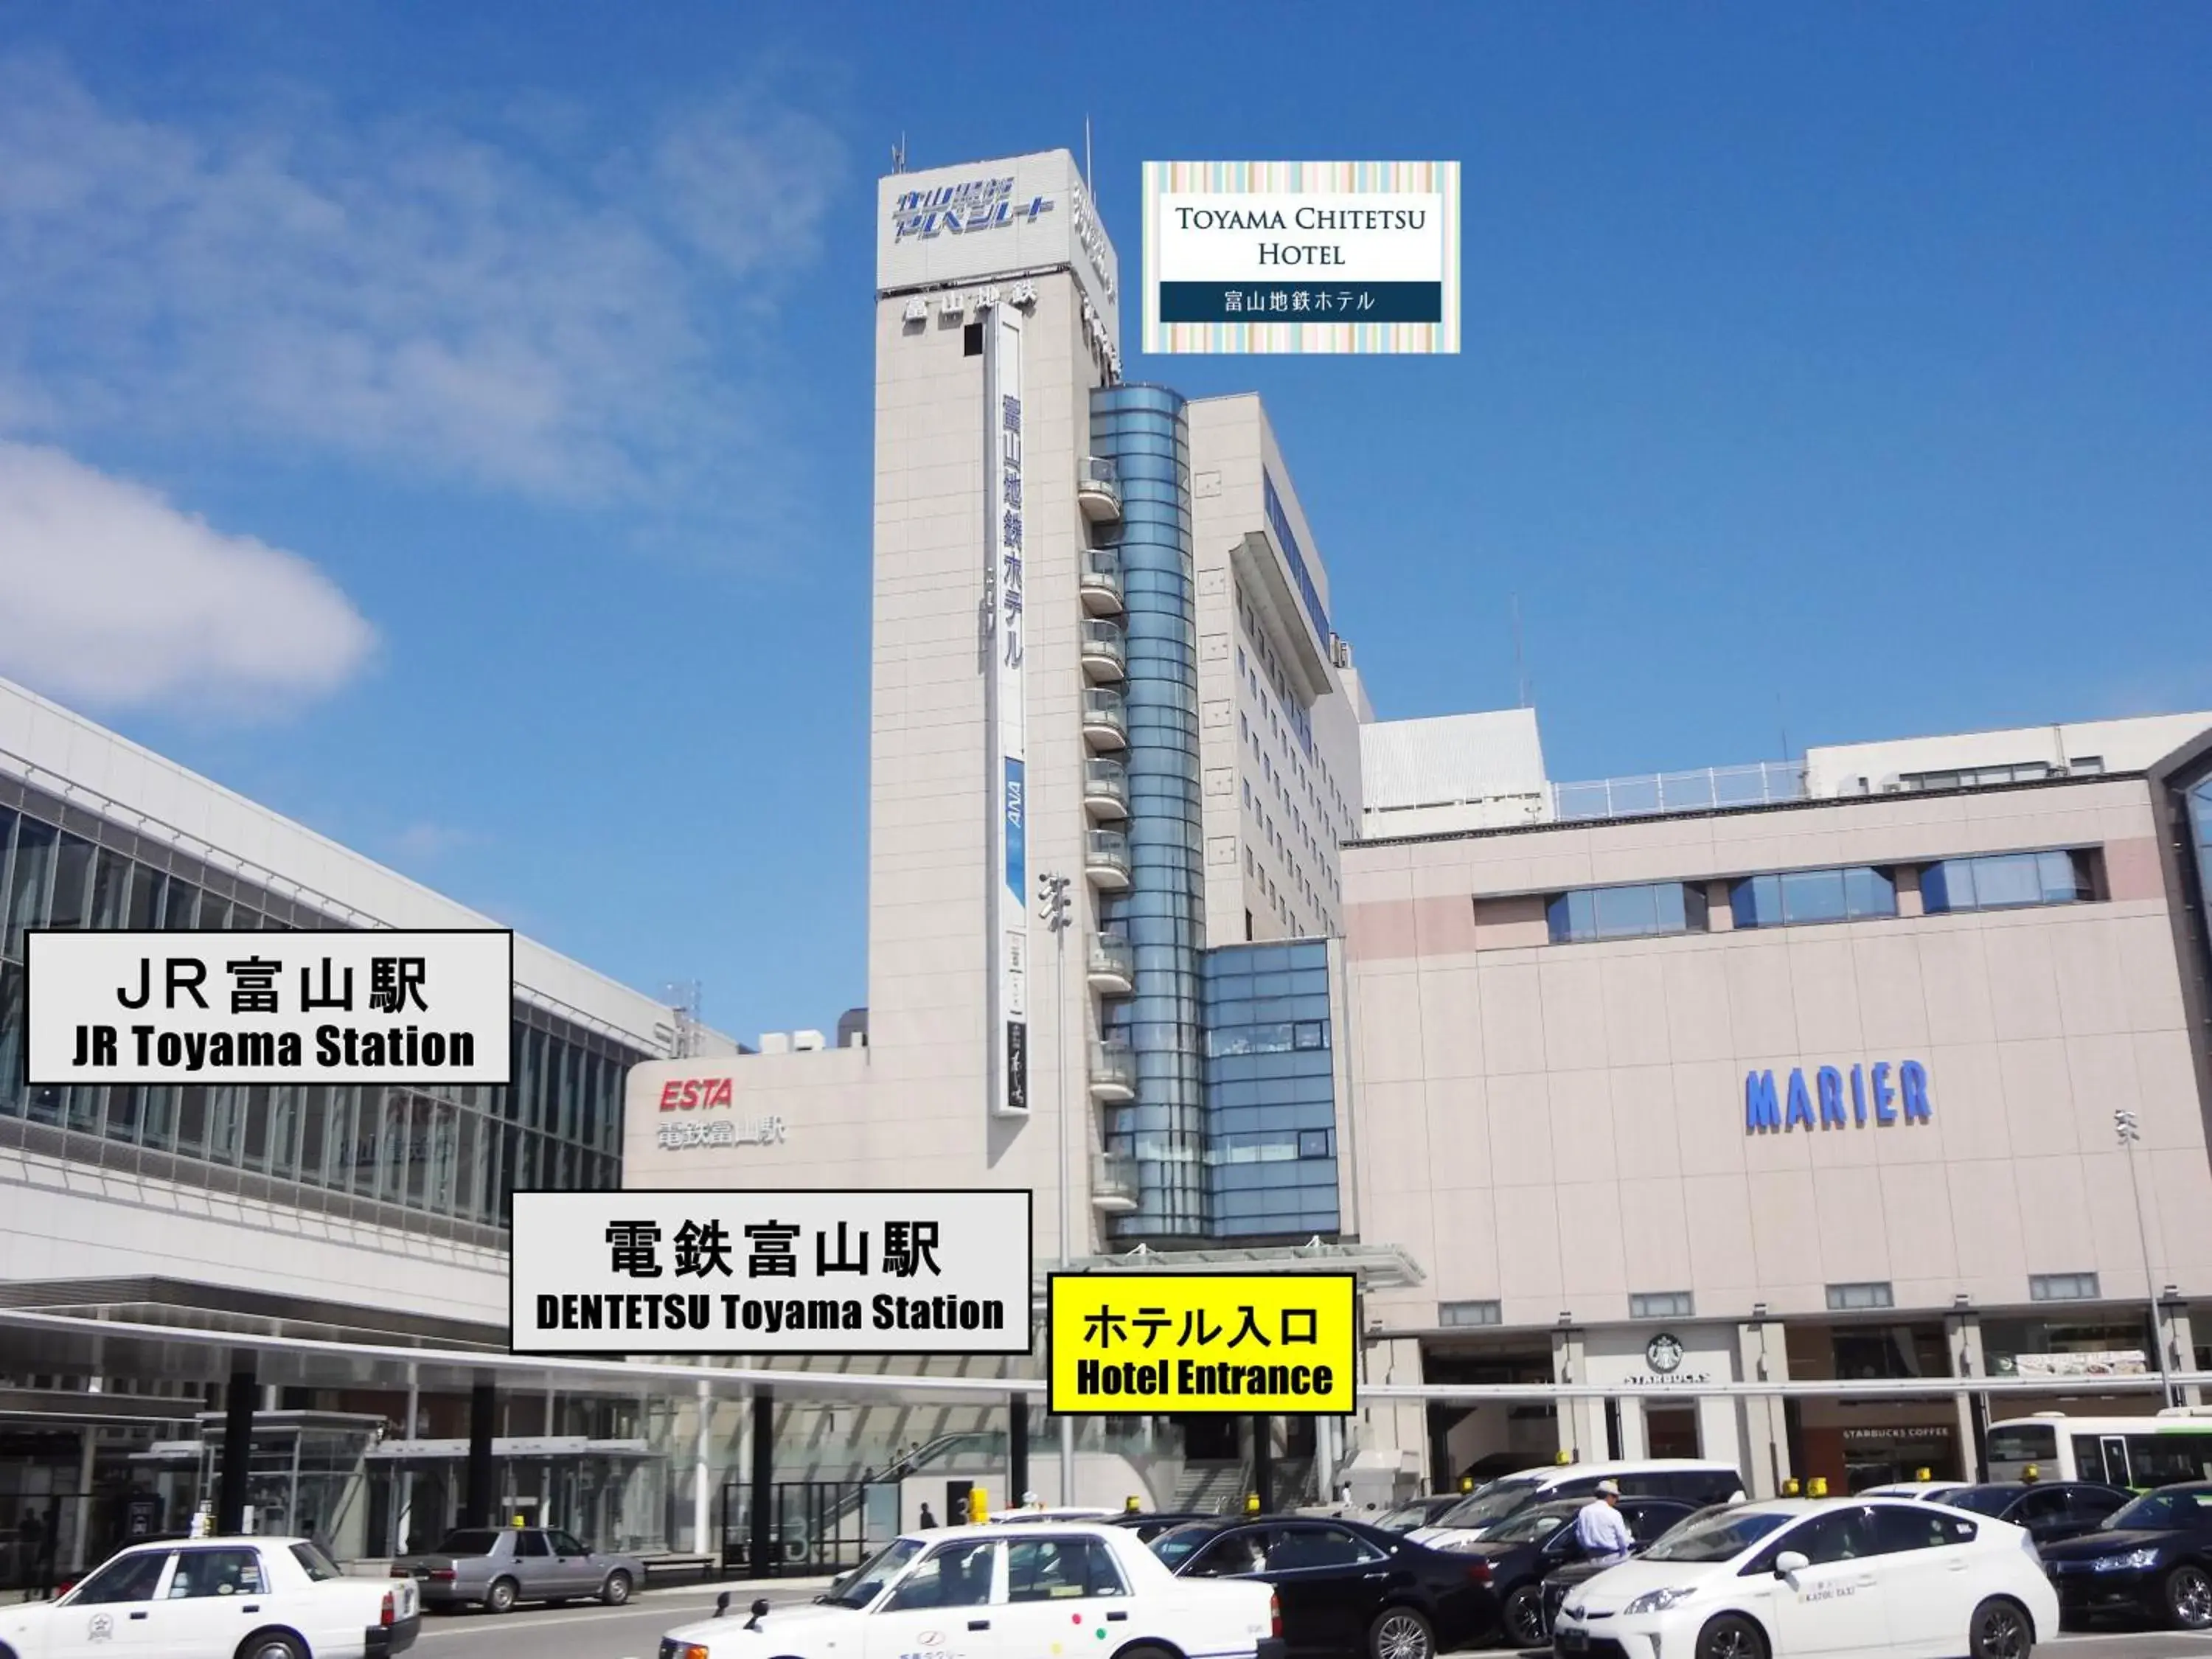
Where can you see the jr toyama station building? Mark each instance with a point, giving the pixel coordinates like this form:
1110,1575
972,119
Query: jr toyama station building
1801,1073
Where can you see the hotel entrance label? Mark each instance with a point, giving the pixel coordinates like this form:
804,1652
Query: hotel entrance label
1277,1343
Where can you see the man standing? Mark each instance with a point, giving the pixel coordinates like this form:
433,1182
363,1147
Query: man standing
928,1521
1599,1531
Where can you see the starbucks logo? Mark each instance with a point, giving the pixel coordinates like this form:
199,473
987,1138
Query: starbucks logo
1663,1353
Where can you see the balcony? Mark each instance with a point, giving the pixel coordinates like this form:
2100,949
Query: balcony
1101,580
1105,649
1113,1072
1113,965
1106,859
1113,1183
1105,788
1105,723
1098,489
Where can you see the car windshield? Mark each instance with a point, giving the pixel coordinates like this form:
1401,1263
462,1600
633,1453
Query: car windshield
1532,1525
865,1582
1493,1503
1177,1545
1406,1517
1982,1500
477,1541
1715,1539
312,1562
2156,1511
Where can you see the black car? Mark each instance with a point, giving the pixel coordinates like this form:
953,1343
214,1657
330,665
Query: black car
1520,1552
1149,1525
1561,1579
1344,1587
1414,1511
2050,1509
2152,1558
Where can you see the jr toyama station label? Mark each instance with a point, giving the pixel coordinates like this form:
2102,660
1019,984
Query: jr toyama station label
875,1271
1282,1344
226,1007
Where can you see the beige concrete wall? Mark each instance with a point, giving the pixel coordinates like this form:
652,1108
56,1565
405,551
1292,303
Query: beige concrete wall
1557,1127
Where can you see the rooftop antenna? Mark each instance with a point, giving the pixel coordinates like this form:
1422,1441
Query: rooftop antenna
898,155
1089,188
1782,719
1520,665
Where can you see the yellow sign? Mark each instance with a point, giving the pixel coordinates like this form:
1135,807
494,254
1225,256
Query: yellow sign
1278,1343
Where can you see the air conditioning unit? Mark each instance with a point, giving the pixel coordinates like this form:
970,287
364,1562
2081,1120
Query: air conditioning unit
776,1042
807,1042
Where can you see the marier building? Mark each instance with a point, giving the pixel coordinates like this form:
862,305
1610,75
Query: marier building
347,1215
1805,1070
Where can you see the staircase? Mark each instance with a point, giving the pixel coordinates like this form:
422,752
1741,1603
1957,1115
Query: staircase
1210,1487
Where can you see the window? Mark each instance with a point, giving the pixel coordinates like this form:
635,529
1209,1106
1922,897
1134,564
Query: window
1661,1304
1898,1527
2088,766
971,340
133,1578
1055,1569
1846,1298
1318,1547
317,1566
1230,1555
2061,1287
531,1543
1470,1313
1794,897
1593,913
955,1576
2007,881
1315,1143
2168,1459
565,1544
1842,1535
1977,777
216,1572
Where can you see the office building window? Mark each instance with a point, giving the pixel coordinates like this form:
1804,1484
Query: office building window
1977,777
1469,1313
1852,1298
1793,897
2061,1287
1661,1304
1594,913
2008,881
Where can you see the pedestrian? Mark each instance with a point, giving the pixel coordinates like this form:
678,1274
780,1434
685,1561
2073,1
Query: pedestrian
1599,1531
47,1546
28,1540
928,1521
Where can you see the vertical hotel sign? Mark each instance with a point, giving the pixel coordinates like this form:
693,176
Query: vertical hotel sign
1008,715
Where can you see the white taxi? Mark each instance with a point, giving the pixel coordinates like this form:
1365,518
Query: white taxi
1829,1576
995,1592
217,1598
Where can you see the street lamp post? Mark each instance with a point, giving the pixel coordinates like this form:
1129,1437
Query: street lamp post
2123,1123
1053,901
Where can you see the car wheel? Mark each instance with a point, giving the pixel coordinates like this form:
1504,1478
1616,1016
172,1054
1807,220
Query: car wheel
272,1644
615,1590
1401,1633
2000,1631
2189,1598
1731,1636
1524,1617
500,1598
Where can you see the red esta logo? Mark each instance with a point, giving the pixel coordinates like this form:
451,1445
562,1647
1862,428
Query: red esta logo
691,1094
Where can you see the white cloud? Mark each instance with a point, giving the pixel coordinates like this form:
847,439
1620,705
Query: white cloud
425,840
430,301
115,598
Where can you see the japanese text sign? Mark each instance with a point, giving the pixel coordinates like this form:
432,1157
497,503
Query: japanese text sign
813,1271
1277,1343
218,1007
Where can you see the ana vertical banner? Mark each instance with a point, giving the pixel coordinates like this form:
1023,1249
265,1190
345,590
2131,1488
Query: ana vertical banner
1007,717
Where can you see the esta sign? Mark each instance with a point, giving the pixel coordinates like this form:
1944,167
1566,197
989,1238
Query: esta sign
1873,1098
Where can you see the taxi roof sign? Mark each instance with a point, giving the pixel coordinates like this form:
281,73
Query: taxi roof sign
1282,1344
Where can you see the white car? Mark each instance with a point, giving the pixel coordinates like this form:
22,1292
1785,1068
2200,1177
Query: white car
1031,1517
992,1592
217,1598
1824,1576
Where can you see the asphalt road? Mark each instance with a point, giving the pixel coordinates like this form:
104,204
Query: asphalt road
634,1632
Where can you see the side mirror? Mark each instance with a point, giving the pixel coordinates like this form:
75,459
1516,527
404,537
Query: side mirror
722,1605
760,1612
1790,1563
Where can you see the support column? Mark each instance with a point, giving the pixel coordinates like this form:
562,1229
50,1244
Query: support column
402,1506
1263,1463
1018,1448
702,1457
238,1401
1764,1356
1581,1422
480,1501
1962,1338
2181,1338
86,1462
760,1551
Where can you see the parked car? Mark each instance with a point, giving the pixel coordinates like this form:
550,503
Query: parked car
218,1598
1693,1480
495,1567
1560,1580
1148,1524
2151,1558
1796,1576
1522,1549
1035,1590
1345,1587
2050,1509
1415,1512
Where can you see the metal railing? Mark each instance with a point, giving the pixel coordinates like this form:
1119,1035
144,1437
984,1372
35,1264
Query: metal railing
1106,857
1112,1182
1105,648
1113,1070
1105,719
1100,581
1098,488
1106,787
1759,784
1113,960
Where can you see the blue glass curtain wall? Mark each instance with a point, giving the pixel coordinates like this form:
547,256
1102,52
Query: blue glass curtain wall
1271,1154
1142,430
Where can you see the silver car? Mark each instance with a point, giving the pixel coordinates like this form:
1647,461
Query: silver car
495,1567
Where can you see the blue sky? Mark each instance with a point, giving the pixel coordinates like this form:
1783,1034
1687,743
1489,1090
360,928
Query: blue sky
463,412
